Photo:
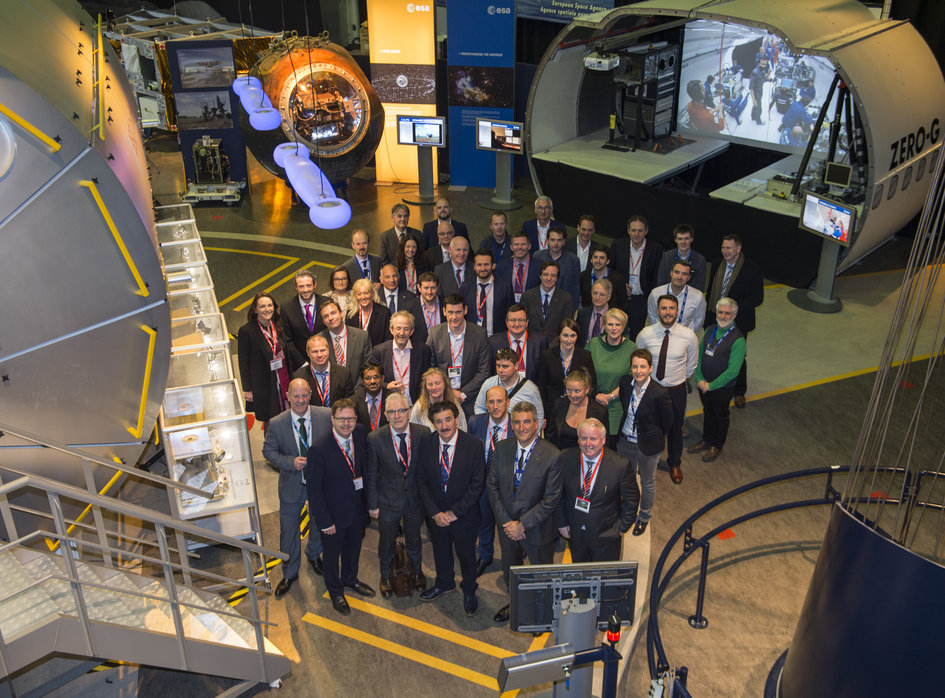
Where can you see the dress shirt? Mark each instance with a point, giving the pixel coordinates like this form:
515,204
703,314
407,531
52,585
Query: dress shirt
683,356
691,306
427,314
490,299
588,464
370,401
456,273
400,360
446,254
629,428
312,309
545,298
515,266
361,262
457,342
542,235
344,343
583,253
515,344
307,421
527,393
636,267
502,434
390,298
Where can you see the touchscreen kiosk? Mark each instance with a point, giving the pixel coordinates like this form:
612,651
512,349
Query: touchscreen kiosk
429,131
504,136
826,217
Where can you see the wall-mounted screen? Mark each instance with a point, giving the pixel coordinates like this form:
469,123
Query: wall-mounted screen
428,131
492,134
745,84
828,217
838,174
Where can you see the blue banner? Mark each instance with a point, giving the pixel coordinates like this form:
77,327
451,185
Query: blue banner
561,10
481,58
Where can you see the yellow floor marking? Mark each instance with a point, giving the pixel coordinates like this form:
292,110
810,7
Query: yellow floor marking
252,284
401,651
428,628
253,252
292,275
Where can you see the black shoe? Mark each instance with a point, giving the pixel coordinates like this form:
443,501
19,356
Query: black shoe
284,587
318,567
434,592
340,604
482,566
387,589
640,528
361,588
470,604
697,447
711,454
502,615
420,581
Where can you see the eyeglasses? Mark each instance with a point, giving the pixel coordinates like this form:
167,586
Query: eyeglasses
345,419
399,411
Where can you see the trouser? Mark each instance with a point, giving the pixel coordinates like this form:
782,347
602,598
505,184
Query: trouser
715,415
459,536
582,550
645,466
290,540
486,527
344,547
741,382
388,523
514,552
674,439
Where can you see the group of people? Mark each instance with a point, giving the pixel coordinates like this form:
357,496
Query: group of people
421,393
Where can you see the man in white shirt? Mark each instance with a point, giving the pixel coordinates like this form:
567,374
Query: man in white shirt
517,388
392,237
683,234
362,265
569,268
582,245
675,351
548,304
691,301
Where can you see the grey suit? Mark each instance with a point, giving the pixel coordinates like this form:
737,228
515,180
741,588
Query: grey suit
355,271
560,306
280,448
358,350
475,359
532,503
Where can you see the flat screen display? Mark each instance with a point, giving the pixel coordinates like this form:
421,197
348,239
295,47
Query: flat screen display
826,217
747,85
837,174
492,134
428,131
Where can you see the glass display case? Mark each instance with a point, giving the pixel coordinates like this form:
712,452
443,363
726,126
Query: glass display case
198,332
190,303
176,232
190,368
183,255
191,278
173,214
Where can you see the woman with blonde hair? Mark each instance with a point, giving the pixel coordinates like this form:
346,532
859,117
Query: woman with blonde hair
367,312
611,352
434,387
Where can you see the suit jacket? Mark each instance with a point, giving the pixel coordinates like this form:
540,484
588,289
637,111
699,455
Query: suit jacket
559,412
433,256
332,497
503,251
614,498
389,488
571,246
479,425
475,359
504,271
649,265
531,229
281,448
534,503
355,271
583,319
560,306
411,303
340,383
390,242
569,273
697,269
378,328
361,409
357,352
254,355
618,298
654,415
421,358
445,273
429,239
501,300
466,481
535,345
293,321
747,290
551,374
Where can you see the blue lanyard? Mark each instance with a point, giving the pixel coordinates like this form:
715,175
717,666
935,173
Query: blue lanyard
519,471
633,406
712,344
682,305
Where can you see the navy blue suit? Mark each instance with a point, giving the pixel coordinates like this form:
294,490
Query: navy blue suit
535,345
478,427
505,270
429,238
531,229
501,300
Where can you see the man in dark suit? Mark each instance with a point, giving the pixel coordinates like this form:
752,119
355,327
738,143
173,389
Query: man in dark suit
487,300
390,238
444,212
526,343
462,350
368,397
397,300
590,318
547,305
598,269
431,308
740,279
402,359
519,271
327,382
301,316
392,495
439,253
288,440
499,241
524,483
450,480
335,474
638,260
457,275
349,346
582,245
599,496
683,235
537,228
362,265
569,268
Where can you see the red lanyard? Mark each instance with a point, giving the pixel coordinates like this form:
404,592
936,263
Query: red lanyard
271,339
431,316
393,438
364,323
523,342
411,275
586,488
349,461
633,267
400,374
447,463
377,419
458,354
481,305
318,389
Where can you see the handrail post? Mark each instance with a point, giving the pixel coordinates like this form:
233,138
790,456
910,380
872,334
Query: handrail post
172,594
699,621
184,558
254,604
97,514
55,508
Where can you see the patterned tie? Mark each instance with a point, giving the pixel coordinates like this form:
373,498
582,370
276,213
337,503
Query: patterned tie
518,350
544,306
309,318
323,387
588,476
595,329
365,272
445,467
303,437
519,471
661,362
481,305
727,278
373,410
348,451
520,278
392,303
459,276
340,351
490,456
404,454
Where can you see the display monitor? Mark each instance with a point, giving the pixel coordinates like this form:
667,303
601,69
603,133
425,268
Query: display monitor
536,589
493,134
827,217
838,174
426,131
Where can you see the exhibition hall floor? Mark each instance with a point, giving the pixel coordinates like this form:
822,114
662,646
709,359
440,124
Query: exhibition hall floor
809,381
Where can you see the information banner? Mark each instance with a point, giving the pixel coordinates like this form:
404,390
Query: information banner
561,10
403,51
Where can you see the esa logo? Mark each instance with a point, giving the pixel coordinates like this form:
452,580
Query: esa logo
417,8
493,10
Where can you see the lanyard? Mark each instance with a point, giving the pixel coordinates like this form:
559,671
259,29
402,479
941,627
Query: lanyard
481,305
295,425
400,374
522,462
364,323
565,367
400,458
272,338
349,461
318,389
633,406
499,249
633,267
447,463
713,344
430,316
411,275
519,285
458,354
586,488
376,420
682,303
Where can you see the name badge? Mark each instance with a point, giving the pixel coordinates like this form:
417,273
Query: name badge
710,352
455,373
275,364
582,504
358,483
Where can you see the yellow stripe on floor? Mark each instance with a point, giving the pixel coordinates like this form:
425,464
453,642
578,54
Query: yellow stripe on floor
401,651
253,284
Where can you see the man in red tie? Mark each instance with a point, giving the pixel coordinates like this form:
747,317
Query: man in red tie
519,270
527,344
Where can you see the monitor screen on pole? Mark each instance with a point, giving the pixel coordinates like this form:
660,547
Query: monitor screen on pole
427,131
827,217
505,136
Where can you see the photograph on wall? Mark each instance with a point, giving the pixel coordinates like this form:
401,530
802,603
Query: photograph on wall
747,84
204,110
404,83
478,86
206,67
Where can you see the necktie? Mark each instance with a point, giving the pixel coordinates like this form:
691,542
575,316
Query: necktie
490,457
340,351
303,437
404,455
518,350
459,276
445,466
727,278
520,278
595,331
309,318
365,272
373,410
348,451
593,278
544,306
392,303
323,387
519,470
661,363
588,476
481,306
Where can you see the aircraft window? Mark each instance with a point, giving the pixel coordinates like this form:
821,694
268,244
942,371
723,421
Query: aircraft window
920,170
893,186
907,178
877,196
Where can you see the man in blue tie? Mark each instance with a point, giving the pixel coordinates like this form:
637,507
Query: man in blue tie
362,265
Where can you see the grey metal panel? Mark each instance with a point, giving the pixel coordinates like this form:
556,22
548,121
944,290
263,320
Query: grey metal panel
45,462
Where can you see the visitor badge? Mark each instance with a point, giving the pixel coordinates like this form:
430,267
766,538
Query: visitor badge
710,352
275,364
455,373
358,483
582,504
